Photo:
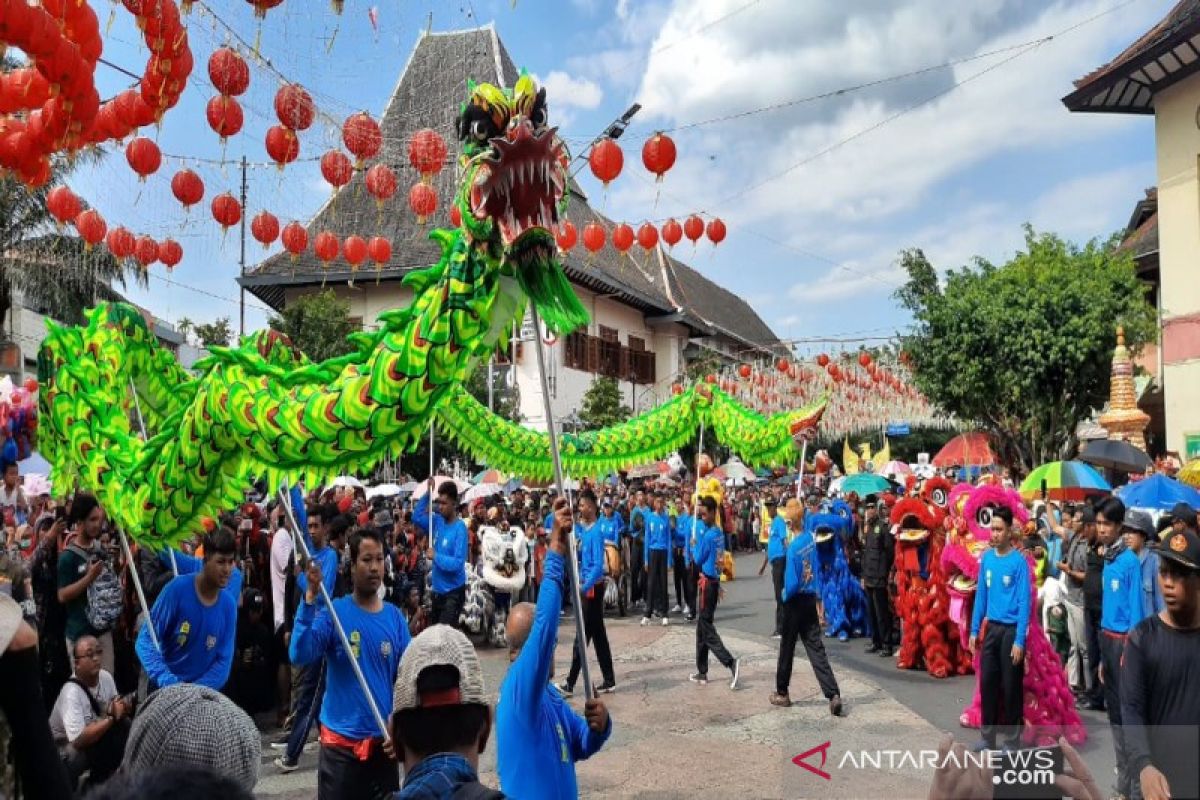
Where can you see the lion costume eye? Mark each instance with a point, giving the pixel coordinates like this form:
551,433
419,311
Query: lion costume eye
939,497
984,517
479,130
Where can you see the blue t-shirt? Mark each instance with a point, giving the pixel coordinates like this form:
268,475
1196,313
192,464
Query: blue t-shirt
539,737
682,531
378,639
591,554
709,544
777,539
658,530
327,558
612,528
1121,606
800,573
1005,595
197,640
450,542
634,513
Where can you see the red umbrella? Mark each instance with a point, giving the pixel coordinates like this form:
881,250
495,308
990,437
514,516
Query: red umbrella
966,450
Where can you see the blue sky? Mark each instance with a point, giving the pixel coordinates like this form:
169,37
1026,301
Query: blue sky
812,247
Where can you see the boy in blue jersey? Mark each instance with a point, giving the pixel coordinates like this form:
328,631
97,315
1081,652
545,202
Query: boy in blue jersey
1004,599
611,524
658,544
449,542
591,579
776,556
637,552
1120,610
195,621
681,567
539,737
355,760
710,540
801,596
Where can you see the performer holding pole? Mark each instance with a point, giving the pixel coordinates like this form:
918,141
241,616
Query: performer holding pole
707,638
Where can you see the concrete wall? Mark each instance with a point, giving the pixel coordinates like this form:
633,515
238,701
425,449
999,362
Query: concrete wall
1178,150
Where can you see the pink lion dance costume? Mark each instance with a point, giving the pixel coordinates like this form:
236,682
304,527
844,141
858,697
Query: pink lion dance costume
960,562
1049,705
928,637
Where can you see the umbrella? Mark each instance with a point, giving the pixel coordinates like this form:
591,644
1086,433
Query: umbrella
665,480
346,481
735,470
408,488
481,490
36,463
835,485
1158,493
490,476
865,483
1064,481
966,449
35,484
438,480
1190,474
383,490
512,485
1114,455
896,468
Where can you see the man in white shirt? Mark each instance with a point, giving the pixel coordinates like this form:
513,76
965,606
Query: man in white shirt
282,548
89,721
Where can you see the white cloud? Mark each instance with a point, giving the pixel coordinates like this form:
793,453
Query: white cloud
567,91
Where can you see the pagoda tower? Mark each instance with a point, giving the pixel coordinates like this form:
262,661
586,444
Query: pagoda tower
1124,420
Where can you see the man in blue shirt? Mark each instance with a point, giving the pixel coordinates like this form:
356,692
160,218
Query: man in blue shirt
681,543
776,556
611,524
354,761
709,542
801,620
1137,530
539,736
658,543
1004,598
591,578
195,621
1120,609
449,542
637,553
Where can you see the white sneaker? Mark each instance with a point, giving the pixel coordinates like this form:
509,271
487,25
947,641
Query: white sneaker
666,622
645,621
676,608
687,611
737,670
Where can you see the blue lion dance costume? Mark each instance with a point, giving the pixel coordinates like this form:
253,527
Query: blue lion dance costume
844,600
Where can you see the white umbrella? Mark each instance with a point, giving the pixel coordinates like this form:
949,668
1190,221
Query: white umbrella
735,470
480,490
408,488
835,485
383,490
438,480
346,481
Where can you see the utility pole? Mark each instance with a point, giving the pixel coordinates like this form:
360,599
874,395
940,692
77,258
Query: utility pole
491,383
242,258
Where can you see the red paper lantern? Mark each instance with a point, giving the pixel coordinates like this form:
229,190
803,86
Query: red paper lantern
295,238
224,116
716,231
710,378
362,136
120,242
864,359
593,237
226,210
622,238
835,372
658,154
143,156
381,183
744,371
355,251
427,152
783,365
455,216
647,236
325,246
145,250
336,168
187,187
693,228
228,72
672,232
31,385
422,199
170,253
265,228
380,250
823,360
566,236
676,389
294,107
261,7
283,146
62,204
91,227
606,160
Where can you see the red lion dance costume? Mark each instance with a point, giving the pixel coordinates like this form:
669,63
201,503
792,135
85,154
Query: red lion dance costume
928,637
1049,705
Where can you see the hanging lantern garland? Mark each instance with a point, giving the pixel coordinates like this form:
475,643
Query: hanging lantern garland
187,187
230,75
336,169
566,236
422,199
295,239
226,210
606,160
170,253
265,228
362,137
381,184
658,155
143,156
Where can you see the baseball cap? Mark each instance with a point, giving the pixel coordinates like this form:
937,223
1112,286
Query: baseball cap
416,683
1139,522
1183,548
1182,512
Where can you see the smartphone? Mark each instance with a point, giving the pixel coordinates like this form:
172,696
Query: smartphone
1028,774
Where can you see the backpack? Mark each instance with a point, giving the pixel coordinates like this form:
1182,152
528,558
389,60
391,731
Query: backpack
105,598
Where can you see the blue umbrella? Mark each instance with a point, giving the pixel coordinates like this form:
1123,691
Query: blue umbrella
865,483
1158,493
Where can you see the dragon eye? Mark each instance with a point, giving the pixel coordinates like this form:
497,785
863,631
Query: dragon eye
538,117
984,517
479,130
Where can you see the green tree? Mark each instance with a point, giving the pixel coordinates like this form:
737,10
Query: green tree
602,405
218,332
1024,349
318,324
185,326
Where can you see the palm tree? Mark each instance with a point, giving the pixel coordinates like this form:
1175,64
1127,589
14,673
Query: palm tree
185,326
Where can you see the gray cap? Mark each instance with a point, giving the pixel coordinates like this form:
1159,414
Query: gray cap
437,646
1140,522
191,724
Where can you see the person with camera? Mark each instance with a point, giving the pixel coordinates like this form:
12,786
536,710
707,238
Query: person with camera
90,722
87,584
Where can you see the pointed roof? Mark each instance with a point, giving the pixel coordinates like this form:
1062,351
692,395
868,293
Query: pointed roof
428,95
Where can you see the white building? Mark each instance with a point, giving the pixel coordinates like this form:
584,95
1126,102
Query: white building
650,314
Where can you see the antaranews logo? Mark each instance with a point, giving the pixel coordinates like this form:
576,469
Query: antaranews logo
801,760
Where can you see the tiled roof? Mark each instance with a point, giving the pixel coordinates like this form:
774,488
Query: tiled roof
1141,234
428,95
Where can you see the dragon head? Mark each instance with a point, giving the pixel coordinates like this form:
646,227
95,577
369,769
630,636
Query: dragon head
513,192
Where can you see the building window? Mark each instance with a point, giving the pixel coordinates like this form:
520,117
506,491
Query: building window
637,343
356,323
601,356
607,334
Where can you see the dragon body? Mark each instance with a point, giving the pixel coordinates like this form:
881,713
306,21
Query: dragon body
263,410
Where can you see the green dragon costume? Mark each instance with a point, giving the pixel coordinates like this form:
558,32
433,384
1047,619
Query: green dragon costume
262,410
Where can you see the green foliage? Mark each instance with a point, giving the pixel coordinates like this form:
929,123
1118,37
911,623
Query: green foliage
218,332
602,404
318,324
1024,349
